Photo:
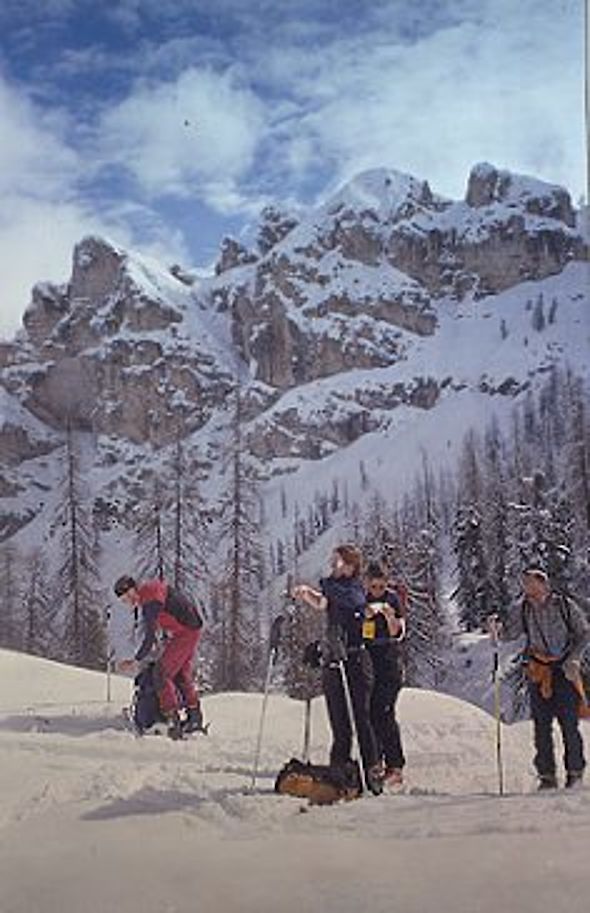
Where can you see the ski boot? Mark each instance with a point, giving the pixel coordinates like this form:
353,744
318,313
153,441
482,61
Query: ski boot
194,720
547,781
374,778
394,777
174,731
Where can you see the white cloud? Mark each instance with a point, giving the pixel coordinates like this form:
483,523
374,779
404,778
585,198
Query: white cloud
33,160
504,84
186,137
42,214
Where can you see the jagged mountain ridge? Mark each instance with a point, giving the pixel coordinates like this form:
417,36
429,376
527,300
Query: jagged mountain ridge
385,303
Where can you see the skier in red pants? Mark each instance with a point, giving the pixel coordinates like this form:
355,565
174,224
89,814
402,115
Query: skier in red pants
164,608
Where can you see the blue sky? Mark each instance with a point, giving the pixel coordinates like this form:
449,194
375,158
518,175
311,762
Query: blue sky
165,124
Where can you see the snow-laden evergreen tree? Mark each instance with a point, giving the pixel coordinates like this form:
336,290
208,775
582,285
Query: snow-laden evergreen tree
148,522
407,540
171,526
187,525
301,627
421,563
40,630
473,589
76,585
474,592
495,512
11,597
241,657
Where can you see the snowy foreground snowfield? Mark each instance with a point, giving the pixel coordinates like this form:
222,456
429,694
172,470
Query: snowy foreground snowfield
95,820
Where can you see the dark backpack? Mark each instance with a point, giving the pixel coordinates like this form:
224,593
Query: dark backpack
146,707
183,609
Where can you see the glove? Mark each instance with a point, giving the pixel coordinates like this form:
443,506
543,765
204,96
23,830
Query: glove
572,669
312,655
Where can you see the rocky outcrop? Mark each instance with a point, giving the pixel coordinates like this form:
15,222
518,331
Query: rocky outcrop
383,250
336,420
17,444
104,354
49,304
233,254
275,224
488,185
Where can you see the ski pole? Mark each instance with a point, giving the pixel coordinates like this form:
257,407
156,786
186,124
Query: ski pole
110,650
306,730
497,708
275,634
352,718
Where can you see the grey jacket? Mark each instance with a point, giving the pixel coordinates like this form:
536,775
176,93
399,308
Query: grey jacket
559,627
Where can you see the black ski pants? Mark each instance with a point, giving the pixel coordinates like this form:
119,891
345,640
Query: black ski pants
563,706
385,691
358,669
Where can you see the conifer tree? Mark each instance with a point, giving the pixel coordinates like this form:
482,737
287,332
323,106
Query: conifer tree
242,651
77,582
11,620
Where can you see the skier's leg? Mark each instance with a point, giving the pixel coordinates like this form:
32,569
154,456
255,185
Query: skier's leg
542,710
566,708
337,715
176,653
377,713
184,677
359,672
392,743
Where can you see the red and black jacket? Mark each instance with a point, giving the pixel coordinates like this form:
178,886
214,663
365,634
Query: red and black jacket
164,608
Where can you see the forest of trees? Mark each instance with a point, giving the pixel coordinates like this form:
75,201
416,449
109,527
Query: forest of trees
520,492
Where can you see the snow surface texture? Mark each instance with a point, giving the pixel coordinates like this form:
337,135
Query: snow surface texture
95,820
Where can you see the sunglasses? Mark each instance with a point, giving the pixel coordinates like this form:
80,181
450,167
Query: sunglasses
377,586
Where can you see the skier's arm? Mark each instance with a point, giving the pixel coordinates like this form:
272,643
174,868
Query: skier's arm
396,626
309,595
396,623
150,613
508,626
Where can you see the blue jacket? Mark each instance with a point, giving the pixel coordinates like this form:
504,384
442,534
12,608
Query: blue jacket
346,608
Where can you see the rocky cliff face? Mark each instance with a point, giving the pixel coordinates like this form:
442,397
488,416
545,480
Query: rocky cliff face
376,258
358,289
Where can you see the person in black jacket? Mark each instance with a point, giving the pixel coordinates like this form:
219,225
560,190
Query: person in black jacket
383,630
342,597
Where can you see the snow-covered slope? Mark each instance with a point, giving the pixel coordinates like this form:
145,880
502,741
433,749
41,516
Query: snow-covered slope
94,819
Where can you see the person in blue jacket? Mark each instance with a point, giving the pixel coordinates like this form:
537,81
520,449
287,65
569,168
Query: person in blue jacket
342,597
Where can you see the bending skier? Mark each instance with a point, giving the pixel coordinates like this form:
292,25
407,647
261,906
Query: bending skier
165,609
556,633
383,630
342,597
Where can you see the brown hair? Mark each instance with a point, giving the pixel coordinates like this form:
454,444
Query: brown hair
375,570
351,555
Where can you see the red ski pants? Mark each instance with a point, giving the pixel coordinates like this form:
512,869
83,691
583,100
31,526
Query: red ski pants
175,671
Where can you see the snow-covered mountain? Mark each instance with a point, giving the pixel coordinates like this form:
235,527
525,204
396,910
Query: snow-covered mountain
94,819
384,322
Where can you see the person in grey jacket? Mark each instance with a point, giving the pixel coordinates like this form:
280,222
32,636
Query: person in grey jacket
556,633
